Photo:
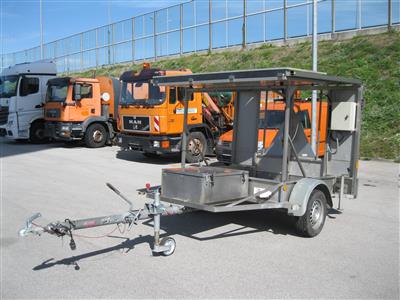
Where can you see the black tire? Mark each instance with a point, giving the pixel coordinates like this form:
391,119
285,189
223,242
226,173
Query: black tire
150,154
196,147
96,136
312,222
37,133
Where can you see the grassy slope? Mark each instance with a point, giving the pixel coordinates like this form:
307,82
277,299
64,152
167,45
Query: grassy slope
373,59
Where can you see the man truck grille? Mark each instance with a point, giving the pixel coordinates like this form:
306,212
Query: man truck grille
136,123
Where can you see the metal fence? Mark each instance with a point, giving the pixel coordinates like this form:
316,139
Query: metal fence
204,25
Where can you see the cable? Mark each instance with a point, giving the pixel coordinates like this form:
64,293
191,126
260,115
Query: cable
86,236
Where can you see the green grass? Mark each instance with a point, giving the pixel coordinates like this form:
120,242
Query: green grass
374,59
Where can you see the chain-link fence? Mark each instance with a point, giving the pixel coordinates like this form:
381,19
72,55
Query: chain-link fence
204,25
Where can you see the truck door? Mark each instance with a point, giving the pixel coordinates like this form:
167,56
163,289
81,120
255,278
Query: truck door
176,110
87,102
29,103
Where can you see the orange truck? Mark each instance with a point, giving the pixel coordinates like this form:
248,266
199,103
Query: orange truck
151,117
79,109
269,126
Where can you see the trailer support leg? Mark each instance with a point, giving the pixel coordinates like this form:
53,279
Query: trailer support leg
165,246
341,193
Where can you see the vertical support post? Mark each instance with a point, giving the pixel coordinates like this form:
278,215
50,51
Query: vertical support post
109,43
155,36
181,29
156,219
390,17
333,16
341,193
359,14
244,29
81,50
315,68
209,26
97,48
184,132
113,42
133,40
285,31
285,154
41,32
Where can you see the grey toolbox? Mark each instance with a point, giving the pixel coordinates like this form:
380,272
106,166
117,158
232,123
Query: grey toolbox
204,185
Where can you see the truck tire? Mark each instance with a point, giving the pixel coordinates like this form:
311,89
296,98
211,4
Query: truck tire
95,136
196,147
311,223
37,133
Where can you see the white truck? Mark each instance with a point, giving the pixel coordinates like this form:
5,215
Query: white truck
22,96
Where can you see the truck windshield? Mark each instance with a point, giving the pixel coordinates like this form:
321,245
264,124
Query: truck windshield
142,93
275,119
8,86
56,93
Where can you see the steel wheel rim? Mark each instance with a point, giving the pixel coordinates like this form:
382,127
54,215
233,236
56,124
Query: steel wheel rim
195,146
97,136
316,214
171,245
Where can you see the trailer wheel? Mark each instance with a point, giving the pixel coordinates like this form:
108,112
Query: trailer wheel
168,242
36,133
196,147
96,136
311,223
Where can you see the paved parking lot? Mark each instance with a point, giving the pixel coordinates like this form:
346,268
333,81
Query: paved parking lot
231,255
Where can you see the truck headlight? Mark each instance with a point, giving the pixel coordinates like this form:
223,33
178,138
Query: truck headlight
65,128
156,144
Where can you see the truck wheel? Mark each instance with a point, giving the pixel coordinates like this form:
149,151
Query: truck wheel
196,147
96,136
311,223
37,134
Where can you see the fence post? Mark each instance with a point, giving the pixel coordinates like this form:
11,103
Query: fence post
133,40
108,45
209,26
333,17
81,50
244,41
113,42
181,28
97,48
155,36
390,8
285,20
359,14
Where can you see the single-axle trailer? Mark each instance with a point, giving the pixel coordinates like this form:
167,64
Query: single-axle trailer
287,175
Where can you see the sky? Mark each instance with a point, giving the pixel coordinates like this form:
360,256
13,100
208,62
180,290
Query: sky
19,19
20,30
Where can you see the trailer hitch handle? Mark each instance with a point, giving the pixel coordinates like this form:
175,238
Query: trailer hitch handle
115,190
28,226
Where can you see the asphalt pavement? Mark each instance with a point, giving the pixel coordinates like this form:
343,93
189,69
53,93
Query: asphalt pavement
231,255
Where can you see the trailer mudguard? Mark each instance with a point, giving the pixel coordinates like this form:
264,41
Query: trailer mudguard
301,192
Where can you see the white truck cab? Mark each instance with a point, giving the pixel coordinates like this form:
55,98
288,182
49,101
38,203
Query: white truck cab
22,96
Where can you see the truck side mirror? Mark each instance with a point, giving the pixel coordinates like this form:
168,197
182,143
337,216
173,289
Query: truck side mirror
77,92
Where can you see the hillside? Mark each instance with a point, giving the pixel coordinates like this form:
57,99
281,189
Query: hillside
374,59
